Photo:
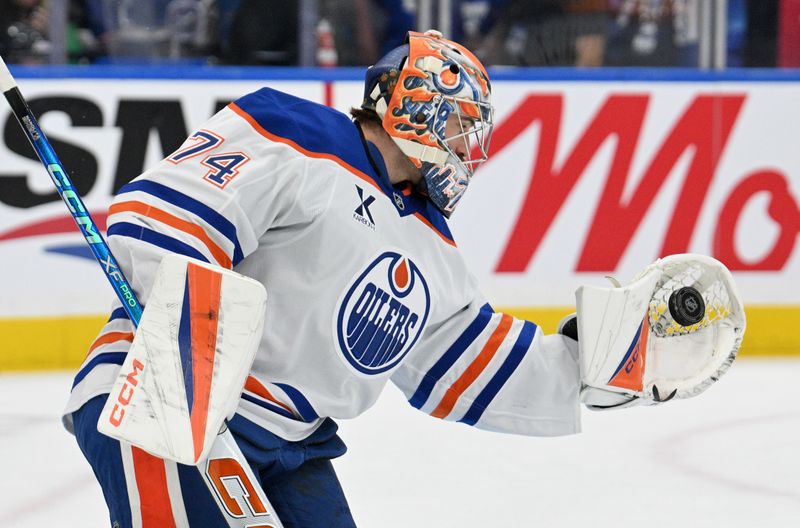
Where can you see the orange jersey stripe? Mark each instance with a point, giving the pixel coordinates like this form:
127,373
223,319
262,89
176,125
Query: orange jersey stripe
151,481
319,155
255,386
474,370
110,337
180,224
427,223
204,293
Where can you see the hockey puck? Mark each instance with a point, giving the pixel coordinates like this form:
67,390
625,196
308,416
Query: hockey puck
687,306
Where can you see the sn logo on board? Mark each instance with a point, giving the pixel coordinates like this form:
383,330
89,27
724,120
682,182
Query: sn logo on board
382,313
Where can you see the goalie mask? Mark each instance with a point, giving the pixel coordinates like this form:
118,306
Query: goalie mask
415,89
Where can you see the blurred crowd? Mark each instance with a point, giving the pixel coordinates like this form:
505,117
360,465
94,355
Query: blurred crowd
357,32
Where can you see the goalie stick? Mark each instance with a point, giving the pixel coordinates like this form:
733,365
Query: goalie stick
256,508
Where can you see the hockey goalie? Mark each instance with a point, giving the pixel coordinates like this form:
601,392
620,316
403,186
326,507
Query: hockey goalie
311,251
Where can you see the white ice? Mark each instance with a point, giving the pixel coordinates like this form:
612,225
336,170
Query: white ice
730,458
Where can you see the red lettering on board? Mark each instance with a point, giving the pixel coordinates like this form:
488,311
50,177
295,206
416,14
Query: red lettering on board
704,127
783,209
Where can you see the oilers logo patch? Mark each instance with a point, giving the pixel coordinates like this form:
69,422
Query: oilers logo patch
382,314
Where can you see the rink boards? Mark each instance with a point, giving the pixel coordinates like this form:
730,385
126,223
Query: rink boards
592,174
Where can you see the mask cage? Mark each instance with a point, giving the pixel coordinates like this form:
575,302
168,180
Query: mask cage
475,120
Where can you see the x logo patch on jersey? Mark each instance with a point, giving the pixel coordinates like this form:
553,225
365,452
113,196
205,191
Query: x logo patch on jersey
363,208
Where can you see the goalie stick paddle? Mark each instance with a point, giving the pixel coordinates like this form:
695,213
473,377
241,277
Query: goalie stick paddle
239,510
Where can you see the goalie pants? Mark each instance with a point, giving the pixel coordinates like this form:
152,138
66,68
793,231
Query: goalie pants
148,492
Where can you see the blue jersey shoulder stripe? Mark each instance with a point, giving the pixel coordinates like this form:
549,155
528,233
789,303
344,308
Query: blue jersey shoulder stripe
424,208
155,238
450,357
300,402
505,371
178,199
326,132
312,126
117,358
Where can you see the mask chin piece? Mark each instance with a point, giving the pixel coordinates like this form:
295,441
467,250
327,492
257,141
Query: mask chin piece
444,185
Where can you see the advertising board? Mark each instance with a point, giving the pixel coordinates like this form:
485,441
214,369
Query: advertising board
587,178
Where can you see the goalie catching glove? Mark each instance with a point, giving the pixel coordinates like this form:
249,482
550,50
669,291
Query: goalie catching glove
670,333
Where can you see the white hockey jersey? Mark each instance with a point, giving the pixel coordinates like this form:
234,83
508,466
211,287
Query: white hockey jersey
365,283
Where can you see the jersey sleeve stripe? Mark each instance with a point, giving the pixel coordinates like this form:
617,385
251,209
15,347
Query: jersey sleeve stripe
119,313
300,402
518,351
110,337
180,224
255,386
450,357
269,406
474,369
117,358
155,238
178,199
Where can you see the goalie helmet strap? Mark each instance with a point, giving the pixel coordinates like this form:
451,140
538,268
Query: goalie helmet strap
421,152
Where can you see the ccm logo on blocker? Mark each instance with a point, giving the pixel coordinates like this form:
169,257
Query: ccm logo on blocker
126,394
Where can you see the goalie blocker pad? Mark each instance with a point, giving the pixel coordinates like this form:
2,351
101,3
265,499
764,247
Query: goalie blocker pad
190,357
632,348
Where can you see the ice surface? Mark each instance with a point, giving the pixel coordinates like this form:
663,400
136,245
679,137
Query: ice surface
730,457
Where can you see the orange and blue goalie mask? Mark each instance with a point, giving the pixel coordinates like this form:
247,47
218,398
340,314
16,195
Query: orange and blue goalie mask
434,99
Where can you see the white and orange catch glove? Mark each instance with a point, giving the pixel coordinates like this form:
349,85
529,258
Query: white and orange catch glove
670,333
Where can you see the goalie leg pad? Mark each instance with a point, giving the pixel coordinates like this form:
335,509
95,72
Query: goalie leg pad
163,493
140,489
